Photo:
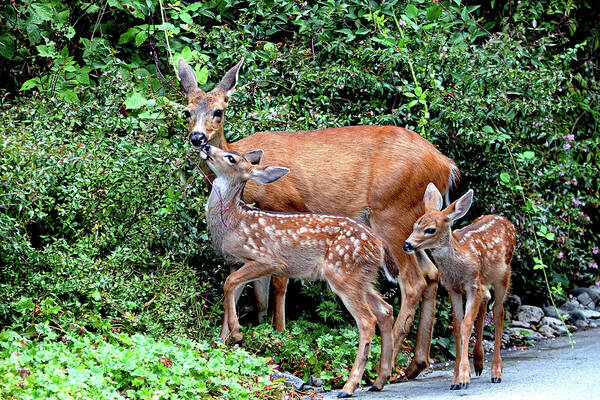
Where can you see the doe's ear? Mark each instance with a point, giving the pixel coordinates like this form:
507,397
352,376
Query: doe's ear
459,208
254,156
269,174
432,198
227,84
187,76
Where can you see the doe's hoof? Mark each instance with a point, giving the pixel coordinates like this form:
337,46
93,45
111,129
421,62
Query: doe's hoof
454,387
496,380
478,371
374,389
464,385
343,395
459,386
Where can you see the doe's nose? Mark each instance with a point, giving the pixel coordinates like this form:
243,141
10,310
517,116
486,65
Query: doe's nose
197,139
407,247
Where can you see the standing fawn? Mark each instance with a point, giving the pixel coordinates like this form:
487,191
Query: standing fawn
372,173
469,259
339,250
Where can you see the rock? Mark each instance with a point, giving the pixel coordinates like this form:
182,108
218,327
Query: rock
581,323
528,334
488,346
594,324
547,331
585,300
512,304
530,314
555,324
519,324
590,314
575,315
550,311
289,380
571,305
314,381
593,292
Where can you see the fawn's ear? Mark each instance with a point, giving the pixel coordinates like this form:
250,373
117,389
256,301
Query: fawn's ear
433,198
269,174
460,207
230,79
187,76
254,156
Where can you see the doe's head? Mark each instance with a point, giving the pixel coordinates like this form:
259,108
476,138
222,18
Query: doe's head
238,168
431,226
205,111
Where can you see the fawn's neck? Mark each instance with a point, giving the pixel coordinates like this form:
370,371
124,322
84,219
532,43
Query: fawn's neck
447,248
222,209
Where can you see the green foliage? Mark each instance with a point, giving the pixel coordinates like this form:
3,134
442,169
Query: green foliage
101,206
308,348
60,357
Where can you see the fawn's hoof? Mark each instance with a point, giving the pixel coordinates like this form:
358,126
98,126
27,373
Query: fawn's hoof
496,380
414,369
374,389
478,370
343,395
459,386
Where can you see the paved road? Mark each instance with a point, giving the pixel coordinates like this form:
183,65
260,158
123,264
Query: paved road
550,370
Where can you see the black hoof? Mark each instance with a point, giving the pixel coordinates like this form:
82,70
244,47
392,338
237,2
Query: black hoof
496,380
464,385
478,371
422,365
454,387
343,395
374,389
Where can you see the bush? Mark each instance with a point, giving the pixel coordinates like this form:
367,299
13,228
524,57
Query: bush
101,205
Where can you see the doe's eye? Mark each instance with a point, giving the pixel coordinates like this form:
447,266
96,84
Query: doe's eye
230,159
187,114
218,113
429,231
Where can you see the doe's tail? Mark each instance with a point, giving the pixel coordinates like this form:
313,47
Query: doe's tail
389,266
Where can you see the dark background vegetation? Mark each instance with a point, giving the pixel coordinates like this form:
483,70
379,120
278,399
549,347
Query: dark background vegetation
101,203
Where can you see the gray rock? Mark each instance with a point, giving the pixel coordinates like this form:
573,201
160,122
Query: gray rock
519,324
593,292
585,300
488,346
289,380
512,304
530,314
590,314
550,311
528,334
571,305
314,381
555,324
594,324
575,315
581,323
547,331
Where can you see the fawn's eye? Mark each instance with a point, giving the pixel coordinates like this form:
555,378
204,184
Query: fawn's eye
230,159
187,114
218,113
429,231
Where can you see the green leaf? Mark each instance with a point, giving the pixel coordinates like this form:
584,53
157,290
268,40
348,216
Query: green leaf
7,46
68,94
135,101
504,177
129,35
411,11
141,37
24,305
528,155
31,83
201,74
434,12
96,295
185,17
418,91
42,11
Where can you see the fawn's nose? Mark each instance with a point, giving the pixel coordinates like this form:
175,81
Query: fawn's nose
407,247
197,139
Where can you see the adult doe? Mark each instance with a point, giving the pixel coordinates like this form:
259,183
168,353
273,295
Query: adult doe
339,250
372,173
469,259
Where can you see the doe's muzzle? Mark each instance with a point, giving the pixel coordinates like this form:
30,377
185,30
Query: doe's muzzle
198,139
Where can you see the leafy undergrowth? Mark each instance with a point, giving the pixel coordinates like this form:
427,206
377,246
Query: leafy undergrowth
52,362
308,348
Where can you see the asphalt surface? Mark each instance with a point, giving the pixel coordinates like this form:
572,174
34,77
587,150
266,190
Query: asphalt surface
550,370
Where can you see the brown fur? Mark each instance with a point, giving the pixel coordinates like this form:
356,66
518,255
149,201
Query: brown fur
345,171
470,259
336,249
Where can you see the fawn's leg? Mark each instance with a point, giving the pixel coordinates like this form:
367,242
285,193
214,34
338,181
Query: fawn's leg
385,320
478,350
261,293
250,271
457,311
498,310
472,307
279,291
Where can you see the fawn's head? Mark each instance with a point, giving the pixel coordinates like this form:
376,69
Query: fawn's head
205,112
435,223
238,168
